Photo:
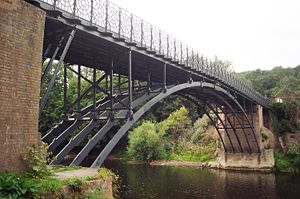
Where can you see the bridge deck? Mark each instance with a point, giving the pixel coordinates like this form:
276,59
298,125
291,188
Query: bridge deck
91,49
95,46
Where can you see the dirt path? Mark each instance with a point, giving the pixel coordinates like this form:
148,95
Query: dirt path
79,173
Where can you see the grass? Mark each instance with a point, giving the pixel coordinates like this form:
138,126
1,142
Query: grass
188,156
203,152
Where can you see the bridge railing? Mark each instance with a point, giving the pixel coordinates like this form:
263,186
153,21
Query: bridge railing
123,24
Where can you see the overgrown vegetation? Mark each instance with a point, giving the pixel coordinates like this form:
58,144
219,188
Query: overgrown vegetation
174,138
37,159
284,117
282,83
19,185
271,82
26,185
96,194
39,180
289,161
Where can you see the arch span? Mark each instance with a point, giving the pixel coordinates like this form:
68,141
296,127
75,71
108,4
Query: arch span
137,115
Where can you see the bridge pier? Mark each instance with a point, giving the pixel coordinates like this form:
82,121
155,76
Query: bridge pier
253,155
21,44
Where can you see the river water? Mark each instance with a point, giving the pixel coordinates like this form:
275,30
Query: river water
143,181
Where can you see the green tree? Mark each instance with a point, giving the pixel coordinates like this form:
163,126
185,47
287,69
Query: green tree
199,128
145,142
178,123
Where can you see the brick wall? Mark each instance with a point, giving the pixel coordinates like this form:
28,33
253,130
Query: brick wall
21,41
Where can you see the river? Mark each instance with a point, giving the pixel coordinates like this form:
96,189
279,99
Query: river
141,181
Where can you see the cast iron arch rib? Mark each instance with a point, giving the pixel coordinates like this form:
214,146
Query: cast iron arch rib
101,133
121,132
244,113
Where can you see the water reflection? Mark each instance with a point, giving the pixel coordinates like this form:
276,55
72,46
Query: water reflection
144,181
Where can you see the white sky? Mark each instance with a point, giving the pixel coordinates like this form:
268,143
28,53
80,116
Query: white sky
250,33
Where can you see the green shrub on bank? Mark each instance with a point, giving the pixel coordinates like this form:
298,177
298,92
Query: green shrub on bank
177,125
289,161
25,185
188,151
37,159
284,116
145,142
174,138
39,181
20,185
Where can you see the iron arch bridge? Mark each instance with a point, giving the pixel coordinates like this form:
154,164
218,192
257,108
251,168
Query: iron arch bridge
134,66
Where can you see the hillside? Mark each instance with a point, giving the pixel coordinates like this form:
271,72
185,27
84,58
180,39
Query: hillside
270,82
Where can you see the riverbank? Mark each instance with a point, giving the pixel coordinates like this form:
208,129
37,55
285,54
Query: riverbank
61,182
217,164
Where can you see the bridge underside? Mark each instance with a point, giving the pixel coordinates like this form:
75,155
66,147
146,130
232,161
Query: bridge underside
126,81
89,126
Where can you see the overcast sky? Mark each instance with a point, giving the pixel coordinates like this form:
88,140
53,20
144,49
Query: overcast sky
250,33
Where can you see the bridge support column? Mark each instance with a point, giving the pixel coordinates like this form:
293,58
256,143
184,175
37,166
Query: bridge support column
258,124
21,43
258,158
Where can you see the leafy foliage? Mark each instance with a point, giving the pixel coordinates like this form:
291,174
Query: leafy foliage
173,138
15,186
145,142
37,159
26,185
74,183
289,161
200,126
283,83
283,117
270,82
96,194
177,124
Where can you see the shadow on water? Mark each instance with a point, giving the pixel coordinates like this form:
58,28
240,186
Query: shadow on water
144,181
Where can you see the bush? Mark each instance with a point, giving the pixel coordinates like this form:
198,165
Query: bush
199,128
289,162
189,151
174,138
145,142
37,159
17,186
283,116
74,183
96,194
177,124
